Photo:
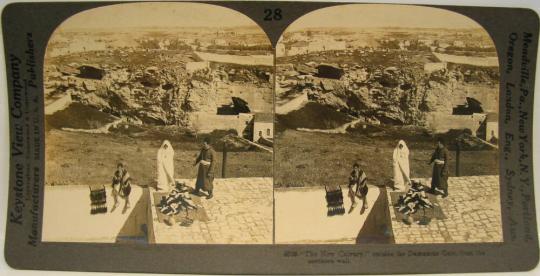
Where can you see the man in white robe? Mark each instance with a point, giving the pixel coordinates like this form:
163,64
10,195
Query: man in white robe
165,166
401,166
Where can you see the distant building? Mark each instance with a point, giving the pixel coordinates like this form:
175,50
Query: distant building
426,42
443,45
204,122
298,36
298,48
263,126
196,66
326,45
225,33
220,42
163,45
439,122
434,66
187,40
304,47
459,43
403,45
205,44
280,50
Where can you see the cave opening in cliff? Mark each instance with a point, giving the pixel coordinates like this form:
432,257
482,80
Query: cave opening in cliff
240,105
167,86
329,72
149,81
470,107
237,106
226,109
385,120
90,72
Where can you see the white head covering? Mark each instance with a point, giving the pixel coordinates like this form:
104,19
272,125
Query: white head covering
165,166
169,146
403,152
401,165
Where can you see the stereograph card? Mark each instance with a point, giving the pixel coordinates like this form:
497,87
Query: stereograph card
270,137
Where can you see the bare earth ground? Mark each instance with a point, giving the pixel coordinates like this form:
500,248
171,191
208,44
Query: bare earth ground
316,159
74,158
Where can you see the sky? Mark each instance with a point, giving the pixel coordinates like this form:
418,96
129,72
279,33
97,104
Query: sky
157,15
375,16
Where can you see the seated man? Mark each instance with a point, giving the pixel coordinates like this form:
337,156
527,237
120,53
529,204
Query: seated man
358,187
121,186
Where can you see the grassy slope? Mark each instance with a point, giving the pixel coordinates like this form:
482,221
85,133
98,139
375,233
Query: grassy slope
83,159
314,159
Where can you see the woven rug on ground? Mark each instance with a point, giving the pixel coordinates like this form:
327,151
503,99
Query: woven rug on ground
433,213
334,200
196,215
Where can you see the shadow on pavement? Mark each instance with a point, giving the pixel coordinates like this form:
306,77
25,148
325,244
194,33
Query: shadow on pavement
378,226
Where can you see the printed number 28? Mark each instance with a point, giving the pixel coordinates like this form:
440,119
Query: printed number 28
270,14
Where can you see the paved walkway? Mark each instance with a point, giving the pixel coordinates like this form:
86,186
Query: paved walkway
67,218
301,217
241,212
473,214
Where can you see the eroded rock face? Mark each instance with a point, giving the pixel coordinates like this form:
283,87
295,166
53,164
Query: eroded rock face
389,95
151,95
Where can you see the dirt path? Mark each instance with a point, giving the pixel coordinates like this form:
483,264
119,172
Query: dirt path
293,104
342,129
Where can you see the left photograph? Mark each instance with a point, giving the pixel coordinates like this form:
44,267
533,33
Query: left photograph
159,127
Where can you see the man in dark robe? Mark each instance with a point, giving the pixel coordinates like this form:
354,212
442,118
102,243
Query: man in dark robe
205,175
439,179
493,140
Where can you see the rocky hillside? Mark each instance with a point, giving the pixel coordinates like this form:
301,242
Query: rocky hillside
155,87
390,90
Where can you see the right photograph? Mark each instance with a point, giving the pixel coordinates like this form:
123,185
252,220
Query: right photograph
386,128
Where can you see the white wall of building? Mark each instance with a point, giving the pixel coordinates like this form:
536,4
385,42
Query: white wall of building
205,122
434,66
196,66
264,129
